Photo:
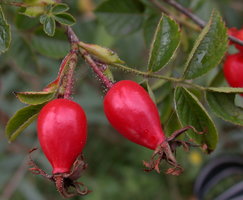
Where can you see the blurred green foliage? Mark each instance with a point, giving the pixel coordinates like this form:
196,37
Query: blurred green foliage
115,169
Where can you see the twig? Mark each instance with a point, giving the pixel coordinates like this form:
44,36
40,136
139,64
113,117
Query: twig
69,78
96,69
159,6
17,4
236,40
195,18
176,18
74,40
186,12
71,35
157,76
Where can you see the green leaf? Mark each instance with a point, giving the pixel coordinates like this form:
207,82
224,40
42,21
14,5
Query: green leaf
34,98
65,18
21,120
218,79
149,28
165,42
150,92
209,48
223,106
226,89
121,17
49,26
43,18
172,124
59,8
191,112
5,36
165,108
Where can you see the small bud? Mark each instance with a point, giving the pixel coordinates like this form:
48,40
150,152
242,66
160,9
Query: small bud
103,54
34,11
36,7
108,74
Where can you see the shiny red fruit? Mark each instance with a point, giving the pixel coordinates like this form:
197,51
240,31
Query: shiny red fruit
233,70
62,132
238,34
131,111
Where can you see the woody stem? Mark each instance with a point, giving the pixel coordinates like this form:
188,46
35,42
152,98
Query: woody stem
92,63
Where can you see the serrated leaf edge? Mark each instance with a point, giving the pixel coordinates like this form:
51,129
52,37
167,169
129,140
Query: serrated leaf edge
21,128
34,93
12,136
153,41
198,41
9,32
200,105
216,114
62,22
230,89
61,11
53,28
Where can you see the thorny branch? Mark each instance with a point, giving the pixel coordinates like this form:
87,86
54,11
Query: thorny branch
96,69
179,19
74,40
186,12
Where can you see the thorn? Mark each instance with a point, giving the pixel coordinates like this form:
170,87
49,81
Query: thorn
31,150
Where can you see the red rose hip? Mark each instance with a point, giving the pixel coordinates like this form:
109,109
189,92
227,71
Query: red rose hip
233,70
132,113
62,133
